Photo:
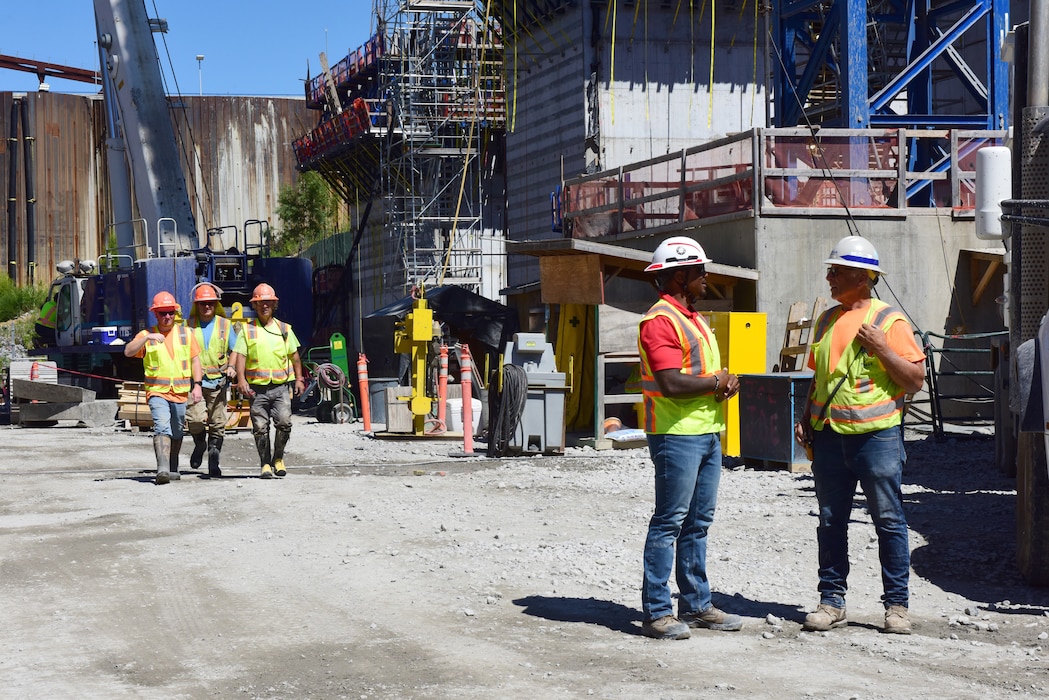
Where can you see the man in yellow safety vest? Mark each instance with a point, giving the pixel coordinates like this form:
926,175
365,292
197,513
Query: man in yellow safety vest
216,337
170,357
683,386
865,361
266,356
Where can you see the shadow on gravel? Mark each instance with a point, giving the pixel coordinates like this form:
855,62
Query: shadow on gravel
741,605
614,616
966,513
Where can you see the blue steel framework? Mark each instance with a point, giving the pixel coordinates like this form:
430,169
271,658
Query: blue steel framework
893,64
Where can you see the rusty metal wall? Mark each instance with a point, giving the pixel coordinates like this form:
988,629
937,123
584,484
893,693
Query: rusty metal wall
237,154
67,183
235,151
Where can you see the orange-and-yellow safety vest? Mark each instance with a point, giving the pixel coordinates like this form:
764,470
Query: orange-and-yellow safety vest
694,415
166,372
868,400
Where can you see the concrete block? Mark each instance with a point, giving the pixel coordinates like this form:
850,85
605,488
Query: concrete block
43,391
92,413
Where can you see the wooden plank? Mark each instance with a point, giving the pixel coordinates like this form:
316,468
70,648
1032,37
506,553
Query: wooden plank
571,279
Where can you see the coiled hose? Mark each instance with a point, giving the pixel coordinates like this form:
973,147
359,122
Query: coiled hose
509,411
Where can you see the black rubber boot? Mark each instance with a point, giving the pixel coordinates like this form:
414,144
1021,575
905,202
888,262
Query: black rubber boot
214,448
162,448
280,439
200,445
176,447
262,444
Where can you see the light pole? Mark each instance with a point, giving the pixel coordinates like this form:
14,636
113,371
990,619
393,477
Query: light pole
200,74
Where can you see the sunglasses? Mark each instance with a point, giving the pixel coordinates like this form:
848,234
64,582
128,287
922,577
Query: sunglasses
165,313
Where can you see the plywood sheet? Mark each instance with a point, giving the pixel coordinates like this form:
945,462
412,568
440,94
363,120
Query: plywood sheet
571,279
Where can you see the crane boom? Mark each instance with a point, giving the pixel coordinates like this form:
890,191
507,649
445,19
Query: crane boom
134,91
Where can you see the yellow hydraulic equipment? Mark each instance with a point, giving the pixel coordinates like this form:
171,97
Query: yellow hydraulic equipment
412,337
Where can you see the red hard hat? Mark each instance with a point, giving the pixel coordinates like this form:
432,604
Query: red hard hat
264,292
163,301
205,292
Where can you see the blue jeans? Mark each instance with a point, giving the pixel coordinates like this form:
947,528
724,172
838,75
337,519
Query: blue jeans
167,417
875,461
688,470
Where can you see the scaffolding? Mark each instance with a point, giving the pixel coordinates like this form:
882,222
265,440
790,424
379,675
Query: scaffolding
414,120
443,88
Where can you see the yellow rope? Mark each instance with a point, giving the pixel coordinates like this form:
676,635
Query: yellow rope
710,86
517,40
612,76
754,79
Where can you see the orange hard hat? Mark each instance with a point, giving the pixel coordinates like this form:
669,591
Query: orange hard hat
205,292
163,300
264,292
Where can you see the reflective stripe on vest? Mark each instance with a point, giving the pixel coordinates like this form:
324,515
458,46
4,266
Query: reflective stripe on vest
869,400
693,415
214,355
167,374
265,365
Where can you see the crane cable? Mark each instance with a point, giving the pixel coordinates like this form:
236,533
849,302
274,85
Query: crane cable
850,220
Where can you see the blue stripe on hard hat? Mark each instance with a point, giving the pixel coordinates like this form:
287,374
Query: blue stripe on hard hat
858,259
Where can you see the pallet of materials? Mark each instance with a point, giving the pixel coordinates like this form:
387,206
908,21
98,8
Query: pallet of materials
132,407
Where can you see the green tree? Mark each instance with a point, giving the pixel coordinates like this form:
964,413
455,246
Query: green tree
19,307
307,213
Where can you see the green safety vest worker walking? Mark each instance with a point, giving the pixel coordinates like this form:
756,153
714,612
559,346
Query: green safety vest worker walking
216,337
266,356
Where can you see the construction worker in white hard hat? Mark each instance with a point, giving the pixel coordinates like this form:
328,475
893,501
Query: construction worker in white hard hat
684,387
865,361
216,337
268,371
170,358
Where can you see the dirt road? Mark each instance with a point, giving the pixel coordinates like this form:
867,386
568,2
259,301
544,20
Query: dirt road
382,569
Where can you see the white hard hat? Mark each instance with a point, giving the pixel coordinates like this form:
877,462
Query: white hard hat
676,252
855,251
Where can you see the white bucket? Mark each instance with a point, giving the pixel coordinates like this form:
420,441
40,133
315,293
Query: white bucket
454,414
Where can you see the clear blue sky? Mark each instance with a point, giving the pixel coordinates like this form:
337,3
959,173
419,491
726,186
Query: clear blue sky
250,47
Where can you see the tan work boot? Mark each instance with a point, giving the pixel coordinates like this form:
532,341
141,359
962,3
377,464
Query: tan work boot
267,472
666,627
897,620
713,619
278,467
824,618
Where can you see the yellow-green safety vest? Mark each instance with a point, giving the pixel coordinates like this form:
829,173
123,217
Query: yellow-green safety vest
267,360
214,355
868,400
694,415
166,373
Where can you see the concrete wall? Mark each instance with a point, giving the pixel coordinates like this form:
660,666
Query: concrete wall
593,94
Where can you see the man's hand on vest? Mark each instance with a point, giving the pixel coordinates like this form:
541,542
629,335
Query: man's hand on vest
728,385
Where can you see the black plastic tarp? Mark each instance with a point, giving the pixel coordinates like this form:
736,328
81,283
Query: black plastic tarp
467,315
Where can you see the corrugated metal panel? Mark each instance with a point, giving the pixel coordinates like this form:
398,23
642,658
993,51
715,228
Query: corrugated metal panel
242,155
66,182
241,159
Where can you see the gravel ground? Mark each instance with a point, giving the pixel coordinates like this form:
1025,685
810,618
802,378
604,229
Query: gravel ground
384,568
